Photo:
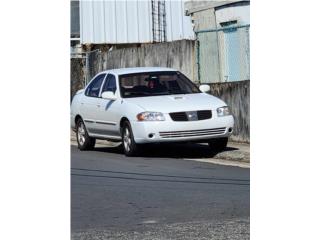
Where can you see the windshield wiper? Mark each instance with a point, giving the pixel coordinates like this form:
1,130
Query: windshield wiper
178,92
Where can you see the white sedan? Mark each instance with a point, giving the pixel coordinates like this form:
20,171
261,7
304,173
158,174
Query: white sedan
148,105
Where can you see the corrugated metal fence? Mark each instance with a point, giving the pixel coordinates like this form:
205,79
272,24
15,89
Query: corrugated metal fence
223,54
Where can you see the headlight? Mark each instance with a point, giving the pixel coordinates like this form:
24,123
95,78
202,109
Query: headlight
223,111
150,116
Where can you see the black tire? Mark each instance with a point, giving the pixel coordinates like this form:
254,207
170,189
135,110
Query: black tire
218,144
84,141
130,147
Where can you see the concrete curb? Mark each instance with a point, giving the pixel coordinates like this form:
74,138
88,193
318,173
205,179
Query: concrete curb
237,154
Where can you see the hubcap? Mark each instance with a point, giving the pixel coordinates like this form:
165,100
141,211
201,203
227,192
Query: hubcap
81,134
126,139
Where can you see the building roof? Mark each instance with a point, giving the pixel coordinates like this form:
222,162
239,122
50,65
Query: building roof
120,71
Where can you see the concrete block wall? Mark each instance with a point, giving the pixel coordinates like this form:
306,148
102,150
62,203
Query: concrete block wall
179,55
76,75
237,96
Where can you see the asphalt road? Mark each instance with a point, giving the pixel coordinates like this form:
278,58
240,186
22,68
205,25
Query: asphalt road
156,197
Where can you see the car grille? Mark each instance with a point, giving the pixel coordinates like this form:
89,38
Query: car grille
192,133
204,114
179,116
182,116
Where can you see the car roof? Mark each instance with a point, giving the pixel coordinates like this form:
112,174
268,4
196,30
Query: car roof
120,71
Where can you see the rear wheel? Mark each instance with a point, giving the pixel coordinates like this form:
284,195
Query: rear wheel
129,145
84,141
218,144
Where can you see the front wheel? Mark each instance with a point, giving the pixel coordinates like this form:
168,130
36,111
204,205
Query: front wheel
129,145
84,141
218,144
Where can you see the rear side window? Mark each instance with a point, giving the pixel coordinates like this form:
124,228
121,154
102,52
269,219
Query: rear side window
93,89
110,84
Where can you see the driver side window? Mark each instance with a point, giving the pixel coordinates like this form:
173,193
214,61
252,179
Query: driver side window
93,89
110,84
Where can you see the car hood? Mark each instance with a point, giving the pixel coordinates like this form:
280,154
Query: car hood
177,103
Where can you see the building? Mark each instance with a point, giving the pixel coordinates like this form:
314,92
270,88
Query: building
75,28
213,46
214,14
129,22
222,29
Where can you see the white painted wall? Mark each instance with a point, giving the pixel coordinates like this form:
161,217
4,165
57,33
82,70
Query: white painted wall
239,13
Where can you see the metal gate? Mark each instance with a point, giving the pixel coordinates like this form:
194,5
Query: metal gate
223,54
232,54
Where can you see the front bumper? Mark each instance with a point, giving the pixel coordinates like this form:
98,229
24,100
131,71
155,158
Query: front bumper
175,131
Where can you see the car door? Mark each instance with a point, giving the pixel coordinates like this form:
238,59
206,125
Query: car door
108,114
90,103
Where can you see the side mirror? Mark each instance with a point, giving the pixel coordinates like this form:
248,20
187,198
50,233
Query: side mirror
204,88
109,95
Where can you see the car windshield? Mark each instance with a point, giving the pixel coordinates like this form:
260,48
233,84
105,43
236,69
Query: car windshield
155,83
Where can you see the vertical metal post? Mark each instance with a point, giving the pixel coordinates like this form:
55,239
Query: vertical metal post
198,56
87,67
159,22
164,22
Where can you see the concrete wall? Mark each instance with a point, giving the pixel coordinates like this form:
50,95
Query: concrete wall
239,12
76,75
200,5
237,96
214,64
209,70
179,55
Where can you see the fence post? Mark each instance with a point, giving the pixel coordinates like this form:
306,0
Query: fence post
86,70
198,56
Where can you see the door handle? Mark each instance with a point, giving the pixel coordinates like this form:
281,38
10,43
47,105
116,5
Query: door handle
98,105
